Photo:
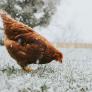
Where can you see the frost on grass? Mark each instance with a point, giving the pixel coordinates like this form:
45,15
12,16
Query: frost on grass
74,75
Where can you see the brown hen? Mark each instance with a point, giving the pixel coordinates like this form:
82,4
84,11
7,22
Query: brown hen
27,46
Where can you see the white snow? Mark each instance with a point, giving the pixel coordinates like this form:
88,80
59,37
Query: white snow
18,7
73,75
38,15
1,29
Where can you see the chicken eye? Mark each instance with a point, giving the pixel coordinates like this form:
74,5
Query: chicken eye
32,41
21,41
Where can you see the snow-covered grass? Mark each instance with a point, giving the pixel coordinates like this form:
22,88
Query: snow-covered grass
73,75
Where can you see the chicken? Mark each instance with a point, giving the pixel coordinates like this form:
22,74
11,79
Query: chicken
27,46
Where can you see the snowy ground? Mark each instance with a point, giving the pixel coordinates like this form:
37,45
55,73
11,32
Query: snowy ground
74,75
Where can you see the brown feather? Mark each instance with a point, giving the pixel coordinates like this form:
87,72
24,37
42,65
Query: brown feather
25,45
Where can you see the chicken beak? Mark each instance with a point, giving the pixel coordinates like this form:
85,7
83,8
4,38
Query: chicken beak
61,61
